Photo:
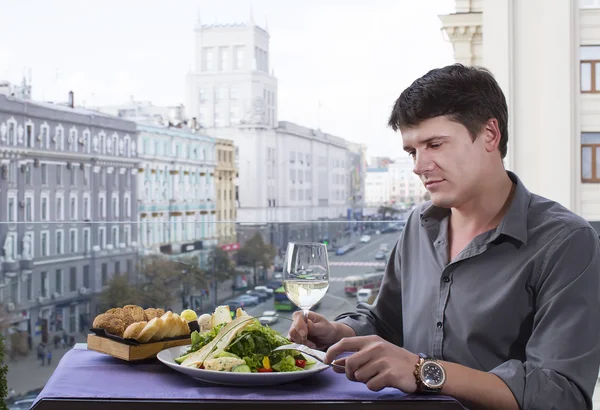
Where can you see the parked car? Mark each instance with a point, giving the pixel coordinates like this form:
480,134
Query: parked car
264,289
261,296
365,238
268,317
247,300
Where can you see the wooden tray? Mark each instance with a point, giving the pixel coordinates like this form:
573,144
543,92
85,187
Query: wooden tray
132,353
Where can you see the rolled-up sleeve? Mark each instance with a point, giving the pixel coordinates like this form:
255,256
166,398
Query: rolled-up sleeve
376,319
563,353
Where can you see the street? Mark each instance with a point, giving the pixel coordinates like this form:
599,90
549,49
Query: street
335,301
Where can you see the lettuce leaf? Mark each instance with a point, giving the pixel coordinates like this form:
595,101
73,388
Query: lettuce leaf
199,340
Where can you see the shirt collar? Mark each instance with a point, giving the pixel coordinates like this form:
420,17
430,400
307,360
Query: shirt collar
513,224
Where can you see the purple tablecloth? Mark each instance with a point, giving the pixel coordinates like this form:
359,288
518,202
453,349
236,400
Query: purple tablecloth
84,374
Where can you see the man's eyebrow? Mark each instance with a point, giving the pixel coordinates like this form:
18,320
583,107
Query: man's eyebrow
425,141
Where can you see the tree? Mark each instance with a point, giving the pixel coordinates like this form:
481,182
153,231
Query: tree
161,280
223,266
254,253
4,323
119,293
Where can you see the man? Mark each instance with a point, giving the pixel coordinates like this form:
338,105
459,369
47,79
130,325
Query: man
492,295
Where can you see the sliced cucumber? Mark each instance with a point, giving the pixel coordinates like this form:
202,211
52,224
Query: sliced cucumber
241,368
227,354
180,359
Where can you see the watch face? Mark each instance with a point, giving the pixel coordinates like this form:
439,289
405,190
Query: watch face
432,374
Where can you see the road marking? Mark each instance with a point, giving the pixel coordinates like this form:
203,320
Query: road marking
356,263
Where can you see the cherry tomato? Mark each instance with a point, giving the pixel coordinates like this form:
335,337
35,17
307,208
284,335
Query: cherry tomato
300,363
263,370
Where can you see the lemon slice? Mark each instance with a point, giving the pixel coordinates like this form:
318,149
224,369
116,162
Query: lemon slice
189,315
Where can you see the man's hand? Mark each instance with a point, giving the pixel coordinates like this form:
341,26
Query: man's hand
376,363
317,332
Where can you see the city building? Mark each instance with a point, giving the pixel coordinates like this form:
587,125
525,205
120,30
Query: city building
357,164
288,174
377,187
68,192
405,187
548,69
176,191
226,191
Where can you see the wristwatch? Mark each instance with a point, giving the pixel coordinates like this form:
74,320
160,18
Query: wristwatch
430,375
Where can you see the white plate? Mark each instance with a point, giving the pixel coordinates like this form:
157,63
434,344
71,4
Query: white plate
168,356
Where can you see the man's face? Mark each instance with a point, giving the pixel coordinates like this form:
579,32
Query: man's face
448,161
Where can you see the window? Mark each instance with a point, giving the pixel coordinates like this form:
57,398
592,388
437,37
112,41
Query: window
59,208
87,211
86,240
238,57
86,276
59,169
73,176
29,134
29,287
44,207
12,209
293,175
115,207
127,207
12,173
130,267
44,172
73,139
207,59
101,237
127,235
590,157
117,268
73,240
589,4
223,58
44,285
44,244
59,244
103,177
115,236
102,206
590,69
28,208
86,176
59,282
28,174
293,194
73,207
104,273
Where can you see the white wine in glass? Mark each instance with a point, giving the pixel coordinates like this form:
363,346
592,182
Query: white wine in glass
306,274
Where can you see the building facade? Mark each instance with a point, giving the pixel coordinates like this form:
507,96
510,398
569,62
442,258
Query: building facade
176,191
547,69
288,174
377,189
405,187
226,176
68,224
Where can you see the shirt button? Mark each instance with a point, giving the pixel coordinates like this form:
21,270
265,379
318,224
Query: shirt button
439,325
446,279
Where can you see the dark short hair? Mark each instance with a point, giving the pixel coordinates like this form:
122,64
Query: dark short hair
468,95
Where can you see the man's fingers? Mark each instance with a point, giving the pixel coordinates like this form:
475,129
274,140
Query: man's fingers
347,344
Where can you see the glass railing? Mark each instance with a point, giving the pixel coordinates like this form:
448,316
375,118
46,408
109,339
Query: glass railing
57,276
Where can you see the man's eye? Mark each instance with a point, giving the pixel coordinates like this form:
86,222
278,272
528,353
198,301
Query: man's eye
434,146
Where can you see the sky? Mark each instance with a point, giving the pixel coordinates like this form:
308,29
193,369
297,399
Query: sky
340,64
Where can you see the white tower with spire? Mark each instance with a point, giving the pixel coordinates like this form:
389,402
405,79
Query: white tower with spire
230,83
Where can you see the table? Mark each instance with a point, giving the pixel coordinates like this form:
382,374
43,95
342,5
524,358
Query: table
91,380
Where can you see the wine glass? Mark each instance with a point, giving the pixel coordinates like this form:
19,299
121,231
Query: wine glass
305,274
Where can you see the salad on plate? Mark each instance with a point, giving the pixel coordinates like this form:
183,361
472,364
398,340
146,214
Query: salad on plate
242,345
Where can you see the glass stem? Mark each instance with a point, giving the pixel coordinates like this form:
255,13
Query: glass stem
305,312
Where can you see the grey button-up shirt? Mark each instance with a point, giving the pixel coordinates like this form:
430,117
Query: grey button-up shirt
521,301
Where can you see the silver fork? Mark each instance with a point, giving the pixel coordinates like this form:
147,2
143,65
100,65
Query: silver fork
317,354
